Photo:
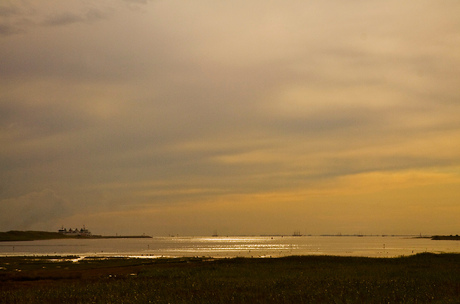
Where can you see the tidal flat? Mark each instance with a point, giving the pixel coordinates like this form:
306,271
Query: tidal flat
422,278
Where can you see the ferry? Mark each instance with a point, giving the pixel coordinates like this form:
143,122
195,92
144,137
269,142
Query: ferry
78,232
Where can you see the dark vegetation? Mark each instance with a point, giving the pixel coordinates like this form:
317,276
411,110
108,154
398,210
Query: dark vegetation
423,278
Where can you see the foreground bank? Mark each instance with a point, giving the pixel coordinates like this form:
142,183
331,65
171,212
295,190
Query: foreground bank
423,278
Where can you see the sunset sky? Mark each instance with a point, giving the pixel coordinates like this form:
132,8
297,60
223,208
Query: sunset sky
242,117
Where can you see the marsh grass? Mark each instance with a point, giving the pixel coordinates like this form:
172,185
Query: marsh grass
424,278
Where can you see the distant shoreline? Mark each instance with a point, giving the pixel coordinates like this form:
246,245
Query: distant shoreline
16,236
446,237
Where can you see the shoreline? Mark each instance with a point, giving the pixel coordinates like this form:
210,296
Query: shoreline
19,236
155,256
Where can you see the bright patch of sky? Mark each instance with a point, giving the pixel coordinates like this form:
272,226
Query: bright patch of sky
246,117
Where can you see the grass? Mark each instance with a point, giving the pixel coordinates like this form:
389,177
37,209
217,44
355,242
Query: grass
423,278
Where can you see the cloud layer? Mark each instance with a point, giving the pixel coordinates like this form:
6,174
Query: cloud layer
246,117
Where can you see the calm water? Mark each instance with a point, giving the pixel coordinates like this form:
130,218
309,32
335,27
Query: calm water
232,246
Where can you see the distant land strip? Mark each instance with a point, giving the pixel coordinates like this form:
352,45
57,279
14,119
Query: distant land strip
446,237
14,235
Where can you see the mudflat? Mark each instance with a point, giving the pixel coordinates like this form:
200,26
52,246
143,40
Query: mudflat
423,278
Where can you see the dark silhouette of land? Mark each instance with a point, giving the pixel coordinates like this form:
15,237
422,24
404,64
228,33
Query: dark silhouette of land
446,237
14,235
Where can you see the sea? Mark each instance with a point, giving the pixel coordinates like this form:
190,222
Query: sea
230,247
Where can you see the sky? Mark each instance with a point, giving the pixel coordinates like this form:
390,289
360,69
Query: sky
236,117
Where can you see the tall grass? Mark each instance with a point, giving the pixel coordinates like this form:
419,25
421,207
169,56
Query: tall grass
425,278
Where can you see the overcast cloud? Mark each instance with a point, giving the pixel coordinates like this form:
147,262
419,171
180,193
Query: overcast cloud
243,117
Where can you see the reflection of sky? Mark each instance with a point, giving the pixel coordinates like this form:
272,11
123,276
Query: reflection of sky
244,247
346,246
229,240
249,117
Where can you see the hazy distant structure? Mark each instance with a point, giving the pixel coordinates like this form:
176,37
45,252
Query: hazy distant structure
77,232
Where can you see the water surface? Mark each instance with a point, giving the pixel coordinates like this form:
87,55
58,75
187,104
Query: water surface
370,246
